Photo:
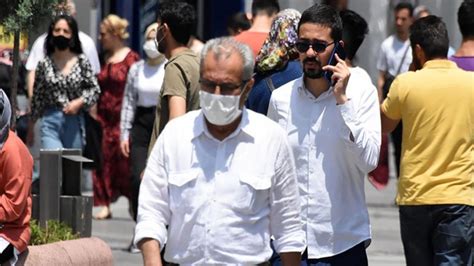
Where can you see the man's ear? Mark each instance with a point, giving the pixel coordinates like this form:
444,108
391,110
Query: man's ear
420,54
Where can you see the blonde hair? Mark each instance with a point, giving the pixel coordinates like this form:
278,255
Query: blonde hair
116,25
149,29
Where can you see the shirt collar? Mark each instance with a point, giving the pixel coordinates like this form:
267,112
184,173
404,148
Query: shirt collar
303,91
439,63
245,126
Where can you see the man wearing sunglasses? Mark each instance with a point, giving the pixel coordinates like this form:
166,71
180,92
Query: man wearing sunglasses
333,124
180,89
221,178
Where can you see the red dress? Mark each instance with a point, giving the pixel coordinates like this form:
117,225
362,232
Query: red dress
114,178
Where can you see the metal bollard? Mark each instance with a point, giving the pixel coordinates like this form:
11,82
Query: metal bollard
60,190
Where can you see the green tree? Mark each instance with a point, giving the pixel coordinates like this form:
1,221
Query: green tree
22,16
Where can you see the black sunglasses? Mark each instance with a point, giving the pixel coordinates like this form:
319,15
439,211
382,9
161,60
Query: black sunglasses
318,46
226,88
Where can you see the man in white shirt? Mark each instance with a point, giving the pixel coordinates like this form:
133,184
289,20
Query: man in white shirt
395,58
221,178
333,127
38,52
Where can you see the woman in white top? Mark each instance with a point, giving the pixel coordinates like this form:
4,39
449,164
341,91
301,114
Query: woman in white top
142,90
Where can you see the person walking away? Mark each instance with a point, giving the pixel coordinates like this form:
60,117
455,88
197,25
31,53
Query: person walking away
436,185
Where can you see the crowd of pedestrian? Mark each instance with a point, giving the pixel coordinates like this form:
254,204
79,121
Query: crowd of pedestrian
254,148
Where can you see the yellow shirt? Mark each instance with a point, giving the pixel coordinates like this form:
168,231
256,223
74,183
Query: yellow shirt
436,106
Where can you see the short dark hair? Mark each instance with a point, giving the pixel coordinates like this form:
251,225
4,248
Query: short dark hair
431,34
466,18
324,15
180,18
75,43
353,33
269,7
404,5
238,21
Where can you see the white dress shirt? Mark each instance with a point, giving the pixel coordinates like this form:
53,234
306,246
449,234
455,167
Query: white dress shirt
221,199
330,167
391,55
38,52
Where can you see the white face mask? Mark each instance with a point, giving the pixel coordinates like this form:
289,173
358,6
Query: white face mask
150,49
219,110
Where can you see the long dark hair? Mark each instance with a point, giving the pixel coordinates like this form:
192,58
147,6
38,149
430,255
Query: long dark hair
75,43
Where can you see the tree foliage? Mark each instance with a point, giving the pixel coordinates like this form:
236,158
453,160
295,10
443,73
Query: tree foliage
22,16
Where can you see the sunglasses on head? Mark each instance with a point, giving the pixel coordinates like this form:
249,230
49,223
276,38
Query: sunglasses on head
318,46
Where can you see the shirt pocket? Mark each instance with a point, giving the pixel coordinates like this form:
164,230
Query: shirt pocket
253,193
183,195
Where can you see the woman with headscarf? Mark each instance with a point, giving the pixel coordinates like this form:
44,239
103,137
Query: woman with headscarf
142,92
16,166
113,179
276,63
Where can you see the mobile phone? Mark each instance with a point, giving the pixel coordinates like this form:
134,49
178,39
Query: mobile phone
332,59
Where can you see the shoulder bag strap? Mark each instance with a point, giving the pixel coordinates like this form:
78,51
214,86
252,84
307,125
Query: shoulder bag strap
403,59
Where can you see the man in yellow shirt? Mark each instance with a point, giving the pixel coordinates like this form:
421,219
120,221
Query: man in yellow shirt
436,187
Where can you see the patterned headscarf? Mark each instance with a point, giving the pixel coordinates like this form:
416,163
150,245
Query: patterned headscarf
5,115
279,48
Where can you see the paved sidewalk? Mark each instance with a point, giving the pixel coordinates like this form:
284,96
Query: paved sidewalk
385,250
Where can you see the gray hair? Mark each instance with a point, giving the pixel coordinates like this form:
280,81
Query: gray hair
224,47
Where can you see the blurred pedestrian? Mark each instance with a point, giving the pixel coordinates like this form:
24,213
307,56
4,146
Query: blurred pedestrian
277,62
436,186
6,72
180,89
237,23
142,91
354,30
37,53
219,181
38,50
464,56
113,180
333,126
65,86
395,58
263,13
16,166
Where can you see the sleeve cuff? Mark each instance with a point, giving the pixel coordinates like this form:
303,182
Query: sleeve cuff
124,135
147,229
291,243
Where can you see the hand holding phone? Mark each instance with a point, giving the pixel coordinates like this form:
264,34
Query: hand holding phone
339,50
339,77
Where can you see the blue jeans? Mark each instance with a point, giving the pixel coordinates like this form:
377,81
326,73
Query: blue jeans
59,130
437,234
355,256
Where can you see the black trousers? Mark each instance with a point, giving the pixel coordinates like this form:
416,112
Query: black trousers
139,140
7,254
397,144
